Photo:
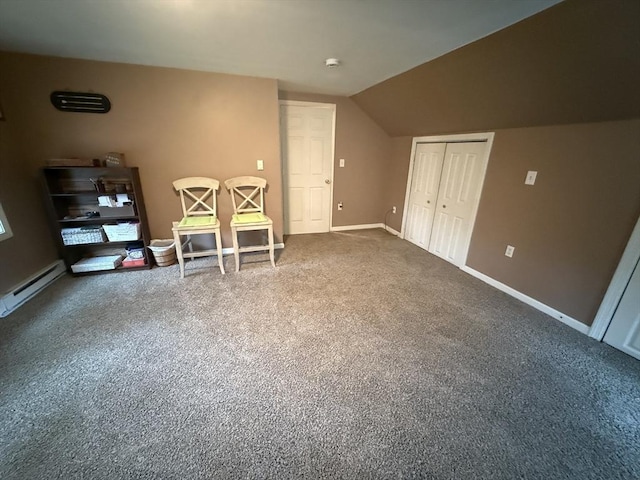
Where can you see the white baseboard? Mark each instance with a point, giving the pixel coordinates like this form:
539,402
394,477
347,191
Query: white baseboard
29,288
229,250
365,226
567,320
391,230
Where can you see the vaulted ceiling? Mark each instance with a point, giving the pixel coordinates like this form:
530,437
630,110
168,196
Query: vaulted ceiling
288,40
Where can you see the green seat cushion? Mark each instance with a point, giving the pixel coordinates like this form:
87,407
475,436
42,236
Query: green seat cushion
250,218
198,221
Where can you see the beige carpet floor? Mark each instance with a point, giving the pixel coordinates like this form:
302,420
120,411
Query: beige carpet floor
359,356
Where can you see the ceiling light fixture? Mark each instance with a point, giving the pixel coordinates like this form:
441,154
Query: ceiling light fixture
332,62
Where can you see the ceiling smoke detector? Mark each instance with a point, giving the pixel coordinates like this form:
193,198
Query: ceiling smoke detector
332,62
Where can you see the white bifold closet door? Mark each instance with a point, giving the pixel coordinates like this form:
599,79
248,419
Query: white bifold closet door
445,190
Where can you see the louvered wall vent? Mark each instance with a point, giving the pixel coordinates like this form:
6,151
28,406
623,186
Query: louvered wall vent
80,102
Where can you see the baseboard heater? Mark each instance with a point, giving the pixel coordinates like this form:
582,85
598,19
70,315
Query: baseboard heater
30,288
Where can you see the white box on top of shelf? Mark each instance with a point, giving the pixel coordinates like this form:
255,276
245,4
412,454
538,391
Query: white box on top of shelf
122,232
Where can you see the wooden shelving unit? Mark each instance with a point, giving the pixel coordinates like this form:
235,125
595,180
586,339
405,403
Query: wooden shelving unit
71,194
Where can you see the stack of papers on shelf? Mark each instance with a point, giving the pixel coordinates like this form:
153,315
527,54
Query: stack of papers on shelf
120,200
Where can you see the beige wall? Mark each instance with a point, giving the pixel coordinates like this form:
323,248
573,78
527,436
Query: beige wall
170,123
569,229
31,248
560,91
576,62
366,148
396,179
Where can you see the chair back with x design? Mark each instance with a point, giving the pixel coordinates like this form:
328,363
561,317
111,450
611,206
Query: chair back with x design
198,196
247,194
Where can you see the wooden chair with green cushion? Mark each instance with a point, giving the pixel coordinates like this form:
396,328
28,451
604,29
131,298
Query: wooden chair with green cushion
199,210
247,197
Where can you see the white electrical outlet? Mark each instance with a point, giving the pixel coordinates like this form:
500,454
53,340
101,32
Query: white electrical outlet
531,177
509,251
394,209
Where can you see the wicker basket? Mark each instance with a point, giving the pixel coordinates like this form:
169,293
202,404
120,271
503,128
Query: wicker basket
82,235
164,252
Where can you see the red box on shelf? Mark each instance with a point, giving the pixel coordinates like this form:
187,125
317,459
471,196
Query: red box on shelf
133,262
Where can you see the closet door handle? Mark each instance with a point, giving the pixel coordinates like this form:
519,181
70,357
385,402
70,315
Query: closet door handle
444,206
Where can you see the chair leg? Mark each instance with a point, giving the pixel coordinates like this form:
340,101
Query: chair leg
178,243
236,253
219,248
270,232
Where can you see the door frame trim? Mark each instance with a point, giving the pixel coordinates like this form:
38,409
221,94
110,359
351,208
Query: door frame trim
457,138
618,284
328,106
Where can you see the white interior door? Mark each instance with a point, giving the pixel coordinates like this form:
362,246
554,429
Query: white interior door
427,167
624,330
458,195
307,159
446,181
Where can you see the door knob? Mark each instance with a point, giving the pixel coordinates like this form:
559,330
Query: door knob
327,181
444,206
428,201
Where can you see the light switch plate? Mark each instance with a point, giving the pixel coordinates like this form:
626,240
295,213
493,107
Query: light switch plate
342,162
531,177
260,164
509,251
